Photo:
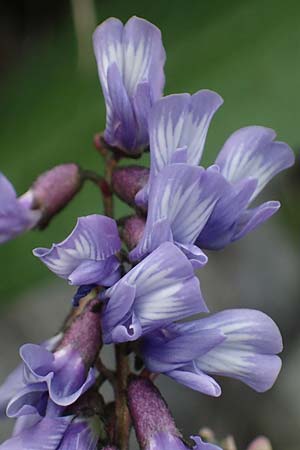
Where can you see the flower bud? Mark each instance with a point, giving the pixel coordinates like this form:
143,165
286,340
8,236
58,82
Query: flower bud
150,413
260,443
128,181
53,190
84,334
229,443
154,426
132,231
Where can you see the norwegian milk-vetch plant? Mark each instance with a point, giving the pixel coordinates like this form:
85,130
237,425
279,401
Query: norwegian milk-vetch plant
136,278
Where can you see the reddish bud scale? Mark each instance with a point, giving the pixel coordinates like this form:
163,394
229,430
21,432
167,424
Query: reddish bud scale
128,181
53,190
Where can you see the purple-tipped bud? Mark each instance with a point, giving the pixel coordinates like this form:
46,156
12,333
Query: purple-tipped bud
154,426
132,231
54,189
260,443
128,181
150,413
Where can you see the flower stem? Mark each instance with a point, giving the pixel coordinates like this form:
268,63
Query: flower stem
104,185
111,163
123,419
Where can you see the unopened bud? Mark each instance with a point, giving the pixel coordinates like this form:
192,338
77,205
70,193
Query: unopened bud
229,443
207,434
53,190
150,414
132,231
128,181
84,334
260,443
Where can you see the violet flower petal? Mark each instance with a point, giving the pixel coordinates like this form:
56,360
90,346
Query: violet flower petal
252,152
183,197
200,445
45,435
249,351
15,381
32,399
166,441
135,300
136,52
197,380
94,239
80,435
180,121
16,215
244,347
63,372
253,218
95,272
221,226
24,422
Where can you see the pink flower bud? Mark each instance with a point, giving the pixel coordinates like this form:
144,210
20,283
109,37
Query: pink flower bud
149,411
128,181
260,443
53,190
84,333
132,231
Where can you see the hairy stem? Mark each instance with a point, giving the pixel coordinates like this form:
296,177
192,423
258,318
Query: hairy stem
104,185
123,419
111,163
106,374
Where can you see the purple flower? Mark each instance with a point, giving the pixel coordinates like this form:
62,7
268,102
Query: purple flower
130,61
181,200
240,343
250,158
56,433
63,373
87,255
16,214
160,289
178,126
15,380
46,434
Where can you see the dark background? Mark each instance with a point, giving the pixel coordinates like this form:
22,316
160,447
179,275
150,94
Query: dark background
50,107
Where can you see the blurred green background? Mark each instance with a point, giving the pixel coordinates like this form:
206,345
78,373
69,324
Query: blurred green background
51,102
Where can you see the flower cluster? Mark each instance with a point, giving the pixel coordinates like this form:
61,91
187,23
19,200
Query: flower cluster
143,300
